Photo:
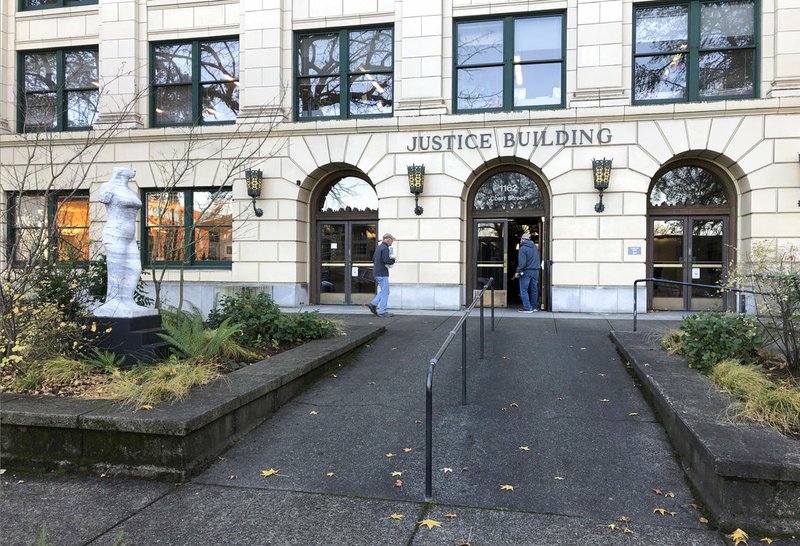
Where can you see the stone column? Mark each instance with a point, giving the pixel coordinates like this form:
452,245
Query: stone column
266,90
784,27
123,63
420,31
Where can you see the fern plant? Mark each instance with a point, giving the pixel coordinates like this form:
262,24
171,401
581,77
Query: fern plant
189,339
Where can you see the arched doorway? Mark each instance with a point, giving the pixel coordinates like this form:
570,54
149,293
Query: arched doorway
505,203
689,236
345,226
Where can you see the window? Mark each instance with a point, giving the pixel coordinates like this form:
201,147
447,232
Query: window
193,227
696,50
43,4
367,74
45,223
59,89
509,63
195,82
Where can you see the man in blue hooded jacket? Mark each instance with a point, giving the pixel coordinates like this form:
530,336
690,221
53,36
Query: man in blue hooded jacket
528,274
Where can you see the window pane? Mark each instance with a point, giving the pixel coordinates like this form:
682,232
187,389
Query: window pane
219,61
165,244
319,97
165,209
370,50
80,69
173,63
72,228
82,108
38,3
40,111
537,84
28,243
537,39
213,244
213,208
220,102
480,42
371,94
724,73
318,54
661,28
480,88
350,194
660,77
31,210
727,24
40,72
174,104
508,191
688,186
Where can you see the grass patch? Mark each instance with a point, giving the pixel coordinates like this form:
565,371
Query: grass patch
170,380
672,342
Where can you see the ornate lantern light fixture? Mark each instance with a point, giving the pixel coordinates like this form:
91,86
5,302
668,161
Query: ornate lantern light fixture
255,183
416,177
601,169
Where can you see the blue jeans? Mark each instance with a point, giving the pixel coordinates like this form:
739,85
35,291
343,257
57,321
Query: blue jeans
529,281
381,299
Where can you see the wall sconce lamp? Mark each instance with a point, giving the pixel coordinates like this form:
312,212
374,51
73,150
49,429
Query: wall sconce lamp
254,184
601,169
416,176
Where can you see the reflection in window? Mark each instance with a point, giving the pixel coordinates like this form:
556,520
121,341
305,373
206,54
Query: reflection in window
367,74
508,191
712,42
350,194
688,186
41,224
60,89
196,82
41,4
192,226
533,61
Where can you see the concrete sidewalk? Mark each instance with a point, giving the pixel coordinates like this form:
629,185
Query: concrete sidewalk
552,411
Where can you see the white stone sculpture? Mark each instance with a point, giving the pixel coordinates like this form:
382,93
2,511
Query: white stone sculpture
119,241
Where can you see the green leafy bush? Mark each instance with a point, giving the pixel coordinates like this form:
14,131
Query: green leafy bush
712,337
189,339
263,325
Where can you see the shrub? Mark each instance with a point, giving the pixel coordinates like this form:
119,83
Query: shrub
712,337
189,339
262,323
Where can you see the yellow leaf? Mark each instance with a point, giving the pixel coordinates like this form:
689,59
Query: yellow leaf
417,421
605,400
662,511
268,473
670,494
451,516
673,514
447,469
330,474
396,516
625,519
429,523
703,520
147,406
514,405
558,478
408,449
397,473
766,539
370,382
313,412
739,537
613,527
506,487
390,455
524,448
632,414
94,327
627,531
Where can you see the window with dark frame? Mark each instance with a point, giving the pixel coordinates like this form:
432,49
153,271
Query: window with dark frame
695,50
25,5
41,224
59,89
195,82
509,63
367,73
189,227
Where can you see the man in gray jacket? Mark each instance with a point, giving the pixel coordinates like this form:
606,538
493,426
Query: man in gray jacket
528,274
380,260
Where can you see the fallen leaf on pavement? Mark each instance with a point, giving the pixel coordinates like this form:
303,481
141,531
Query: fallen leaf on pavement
451,516
313,412
506,487
739,537
396,473
396,516
524,448
268,473
398,483
330,474
429,523
232,477
447,469
390,455
662,511
408,449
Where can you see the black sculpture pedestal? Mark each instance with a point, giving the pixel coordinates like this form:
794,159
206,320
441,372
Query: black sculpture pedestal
135,338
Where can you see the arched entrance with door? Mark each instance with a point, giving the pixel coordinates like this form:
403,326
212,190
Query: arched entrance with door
344,221
504,203
690,234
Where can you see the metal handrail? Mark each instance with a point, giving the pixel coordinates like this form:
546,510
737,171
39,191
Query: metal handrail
741,291
432,365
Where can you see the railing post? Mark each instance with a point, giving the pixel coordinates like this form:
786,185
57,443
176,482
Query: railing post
635,299
482,294
429,432
464,363
491,280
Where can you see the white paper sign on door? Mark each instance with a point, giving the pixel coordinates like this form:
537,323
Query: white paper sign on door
355,272
695,273
334,246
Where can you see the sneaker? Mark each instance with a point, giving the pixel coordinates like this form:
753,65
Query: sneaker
373,309
535,310
386,315
525,311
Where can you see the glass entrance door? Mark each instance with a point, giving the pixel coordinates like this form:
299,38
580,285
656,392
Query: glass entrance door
345,268
492,253
691,250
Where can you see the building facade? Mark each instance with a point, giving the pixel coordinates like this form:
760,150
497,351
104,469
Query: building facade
631,139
